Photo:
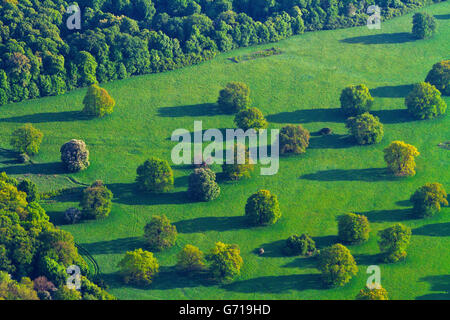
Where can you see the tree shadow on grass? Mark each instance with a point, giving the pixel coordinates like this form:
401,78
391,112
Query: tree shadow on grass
333,141
196,110
44,117
368,175
384,38
438,283
127,193
56,217
308,116
171,278
388,215
433,230
393,116
115,246
273,249
392,91
404,203
368,259
325,241
302,262
277,284
442,16
37,168
204,224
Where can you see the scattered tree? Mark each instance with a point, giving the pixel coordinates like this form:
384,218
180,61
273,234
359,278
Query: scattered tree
155,175
439,76
250,118
262,208
98,102
427,200
190,259
75,155
425,102
237,170
365,128
399,157
300,245
356,100
72,215
337,265
30,188
234,97
26,139
293,139
159,233
96,201
353,228
424,25
394,241
203,185
372,294
138,267
226,261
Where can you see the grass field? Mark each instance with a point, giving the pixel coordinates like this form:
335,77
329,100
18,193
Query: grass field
300,86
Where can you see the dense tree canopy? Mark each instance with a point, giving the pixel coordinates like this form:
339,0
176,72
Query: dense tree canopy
40,56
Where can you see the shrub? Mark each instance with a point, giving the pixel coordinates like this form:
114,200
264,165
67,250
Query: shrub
250,118
75,155
154,175
72,215
190,259
226,261
30,188
262,208
427,200
293,139
300,245
365,128
356,100
372,294
424,25
160,233
234,97
138,267
26,139
64,293
425,102
236,171
23,158
203,185
353,228
98,102
439,76
337,265
399,157
394,241
96,201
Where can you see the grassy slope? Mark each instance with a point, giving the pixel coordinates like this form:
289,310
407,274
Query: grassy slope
300,86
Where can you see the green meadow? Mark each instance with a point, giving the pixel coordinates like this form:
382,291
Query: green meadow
335,176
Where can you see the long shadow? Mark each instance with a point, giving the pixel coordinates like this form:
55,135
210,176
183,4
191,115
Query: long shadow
38,168
127,193
65,116
196,110
115,246
302,262
277,284
56,217
393,116
204,224
325,241
442,16
384,38
273,249
333,141
170,278
308,116
433,230
368,259
404,203
392,91
388,215
438,283
368,175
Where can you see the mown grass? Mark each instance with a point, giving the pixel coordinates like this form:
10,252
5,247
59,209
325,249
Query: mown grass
335,176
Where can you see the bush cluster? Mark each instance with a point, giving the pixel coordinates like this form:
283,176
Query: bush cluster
159,233
202,185
425,102
75,155
294,139
262,208
96,201
365,128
